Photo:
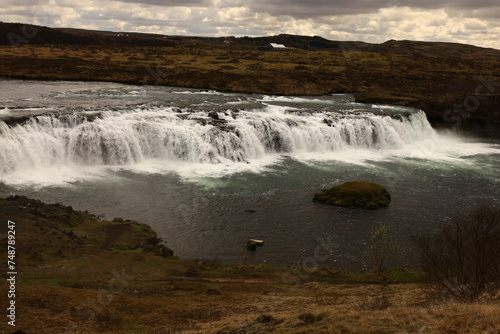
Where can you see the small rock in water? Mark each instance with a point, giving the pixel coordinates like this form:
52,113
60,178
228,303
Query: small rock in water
361,194
253,243
213,115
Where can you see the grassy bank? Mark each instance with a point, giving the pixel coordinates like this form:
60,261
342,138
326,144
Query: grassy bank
80,274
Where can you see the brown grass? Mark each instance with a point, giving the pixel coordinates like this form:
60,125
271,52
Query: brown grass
167,306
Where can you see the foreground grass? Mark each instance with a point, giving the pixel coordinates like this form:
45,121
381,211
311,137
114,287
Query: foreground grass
169,306
81,275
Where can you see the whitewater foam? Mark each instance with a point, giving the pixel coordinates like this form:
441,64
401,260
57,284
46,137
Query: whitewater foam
62,148
302,100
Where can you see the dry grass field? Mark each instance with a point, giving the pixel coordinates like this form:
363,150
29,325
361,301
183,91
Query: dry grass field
169,304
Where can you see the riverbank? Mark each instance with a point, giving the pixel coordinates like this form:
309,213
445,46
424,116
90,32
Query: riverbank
78,273
456,85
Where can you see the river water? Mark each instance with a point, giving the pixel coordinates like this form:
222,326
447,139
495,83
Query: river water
209,170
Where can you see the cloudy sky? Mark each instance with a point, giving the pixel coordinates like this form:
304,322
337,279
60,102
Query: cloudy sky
474,22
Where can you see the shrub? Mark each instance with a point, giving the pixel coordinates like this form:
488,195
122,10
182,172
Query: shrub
464,254
382,246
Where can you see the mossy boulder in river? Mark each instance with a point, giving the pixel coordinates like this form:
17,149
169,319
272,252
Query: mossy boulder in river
362,194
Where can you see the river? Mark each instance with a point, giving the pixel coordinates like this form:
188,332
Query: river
209,170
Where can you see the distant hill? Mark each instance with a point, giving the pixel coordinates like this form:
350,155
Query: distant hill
18,33
437,49
303,42
37,35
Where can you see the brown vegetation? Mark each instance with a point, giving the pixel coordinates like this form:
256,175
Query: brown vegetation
81,275
464,254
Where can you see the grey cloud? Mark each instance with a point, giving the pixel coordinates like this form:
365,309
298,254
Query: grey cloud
457,4
21,12
314,8
170,3
27,3
484,13
93,16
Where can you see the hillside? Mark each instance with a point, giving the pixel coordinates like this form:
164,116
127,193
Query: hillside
456,85
437,49
15,34
80,274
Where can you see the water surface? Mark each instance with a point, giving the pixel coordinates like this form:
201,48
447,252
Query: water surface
209,170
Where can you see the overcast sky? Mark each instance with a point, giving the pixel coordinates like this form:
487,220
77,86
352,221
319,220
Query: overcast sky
474,22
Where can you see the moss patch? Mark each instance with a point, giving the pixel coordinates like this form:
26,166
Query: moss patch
360,194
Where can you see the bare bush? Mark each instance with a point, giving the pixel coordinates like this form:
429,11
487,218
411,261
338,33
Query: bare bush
382,246
464,254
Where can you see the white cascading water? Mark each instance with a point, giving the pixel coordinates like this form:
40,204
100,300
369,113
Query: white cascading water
127,138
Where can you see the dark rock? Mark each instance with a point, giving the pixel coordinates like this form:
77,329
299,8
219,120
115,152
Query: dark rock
164,251
183,116
328,122
251,246
250,211
264,318
154,241
360,194
213,292
13,197
202,121
253,243
118,220
308,318
219,122
213,115
160,250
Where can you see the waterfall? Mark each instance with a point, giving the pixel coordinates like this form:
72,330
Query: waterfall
112,138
